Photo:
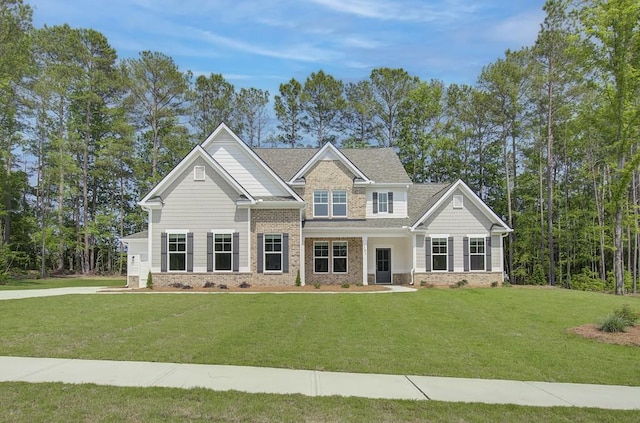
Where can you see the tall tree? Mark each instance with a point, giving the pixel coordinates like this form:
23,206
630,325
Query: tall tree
212,102
252,114
288,110
322,101
359,116
390,87
157,97
613,26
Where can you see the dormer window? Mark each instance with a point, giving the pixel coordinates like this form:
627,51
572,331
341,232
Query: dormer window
198,173
383,202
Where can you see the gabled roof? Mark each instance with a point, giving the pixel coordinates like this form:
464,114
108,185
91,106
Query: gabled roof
381,165
329,151
196,152
138,236
436,200
252,154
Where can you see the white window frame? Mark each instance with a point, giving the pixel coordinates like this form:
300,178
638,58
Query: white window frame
345,257
446,253
386,202
265,253
458,201
226,233
199,173
483,254
170,233
318,191
333,203
327,257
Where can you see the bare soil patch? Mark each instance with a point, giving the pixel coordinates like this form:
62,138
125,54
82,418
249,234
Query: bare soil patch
630,337
306,288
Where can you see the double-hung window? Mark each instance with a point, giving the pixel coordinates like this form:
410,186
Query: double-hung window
273,252
476,253
321,257
321,203
223,252
340,256
439,253
383,202
339,203
177,250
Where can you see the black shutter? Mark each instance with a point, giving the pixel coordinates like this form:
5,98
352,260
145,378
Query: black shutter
190,252
163,252
450,253
390,201
487,252
259,253
427,249
209,252
465,253
236,251
375,203
285,253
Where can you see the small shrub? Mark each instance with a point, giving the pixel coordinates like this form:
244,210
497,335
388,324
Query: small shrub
506,284
423,283
494,284
345,285
149,281
209,285
460,284
244,285
316,285
177,285
298,281
186,287
613,324
223,286
629,317
359,284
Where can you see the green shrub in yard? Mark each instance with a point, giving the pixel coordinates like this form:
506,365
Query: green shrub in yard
149,281
494,284
345,285
298,281
628,316
460,284
316,285
613,323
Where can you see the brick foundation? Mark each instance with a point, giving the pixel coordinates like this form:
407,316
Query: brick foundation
451,278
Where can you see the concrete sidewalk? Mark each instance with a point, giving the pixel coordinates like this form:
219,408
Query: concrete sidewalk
317,383
19,294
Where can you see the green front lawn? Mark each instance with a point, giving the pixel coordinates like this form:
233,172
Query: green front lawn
54,402
65,282
498,333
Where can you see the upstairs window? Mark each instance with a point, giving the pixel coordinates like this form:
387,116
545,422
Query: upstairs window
321,203
383,202
339,203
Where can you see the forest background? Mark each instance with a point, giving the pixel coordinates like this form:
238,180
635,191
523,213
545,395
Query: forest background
548,137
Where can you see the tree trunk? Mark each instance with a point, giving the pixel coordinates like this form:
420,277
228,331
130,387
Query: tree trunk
550,240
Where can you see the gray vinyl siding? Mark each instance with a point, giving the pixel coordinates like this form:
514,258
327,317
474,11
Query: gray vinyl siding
245,169
459,223
200,206
420,253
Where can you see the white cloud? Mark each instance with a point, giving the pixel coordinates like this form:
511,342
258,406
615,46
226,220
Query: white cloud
519,30
416,11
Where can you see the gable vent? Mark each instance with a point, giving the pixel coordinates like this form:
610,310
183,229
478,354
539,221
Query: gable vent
198,173
458,201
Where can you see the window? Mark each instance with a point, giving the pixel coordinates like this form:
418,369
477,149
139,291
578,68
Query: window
383,202
273,252
476,253
340,257
177,252
198,173
222,244
321,203
457,201
320,257
339,203
439,253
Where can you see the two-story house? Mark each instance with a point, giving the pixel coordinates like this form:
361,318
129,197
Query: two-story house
228,214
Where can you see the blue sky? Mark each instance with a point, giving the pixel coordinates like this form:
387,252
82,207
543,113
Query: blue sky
264,43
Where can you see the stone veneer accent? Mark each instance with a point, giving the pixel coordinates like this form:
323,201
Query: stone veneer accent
133,281
451,278
354,263
333,175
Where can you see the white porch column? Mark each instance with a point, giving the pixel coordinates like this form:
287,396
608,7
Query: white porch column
301,255
365,260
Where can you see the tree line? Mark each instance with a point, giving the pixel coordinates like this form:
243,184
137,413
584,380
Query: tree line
547,136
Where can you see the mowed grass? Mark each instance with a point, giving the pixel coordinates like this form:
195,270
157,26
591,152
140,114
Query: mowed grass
54,402
501,333
63,282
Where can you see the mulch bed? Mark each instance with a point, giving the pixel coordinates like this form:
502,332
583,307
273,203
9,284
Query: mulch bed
630,337
306,288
